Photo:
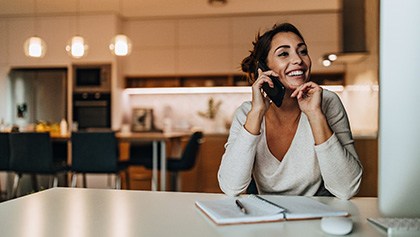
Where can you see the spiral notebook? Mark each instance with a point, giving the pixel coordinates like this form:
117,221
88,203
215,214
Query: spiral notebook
266,208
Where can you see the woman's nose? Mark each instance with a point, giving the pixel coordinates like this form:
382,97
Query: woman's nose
296,59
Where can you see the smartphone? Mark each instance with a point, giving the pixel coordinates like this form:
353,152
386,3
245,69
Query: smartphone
275,93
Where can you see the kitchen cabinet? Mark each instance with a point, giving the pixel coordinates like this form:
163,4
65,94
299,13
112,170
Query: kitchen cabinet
186,81
367,149
215,80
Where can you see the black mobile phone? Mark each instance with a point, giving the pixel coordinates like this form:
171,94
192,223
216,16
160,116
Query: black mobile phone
275,93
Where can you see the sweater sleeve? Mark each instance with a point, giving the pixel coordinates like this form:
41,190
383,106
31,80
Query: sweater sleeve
235,170
339,163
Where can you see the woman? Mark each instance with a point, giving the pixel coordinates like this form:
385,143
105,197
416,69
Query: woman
303,147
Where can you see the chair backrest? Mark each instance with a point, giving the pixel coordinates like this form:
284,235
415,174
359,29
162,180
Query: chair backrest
31,152
94,152
189,155
4,151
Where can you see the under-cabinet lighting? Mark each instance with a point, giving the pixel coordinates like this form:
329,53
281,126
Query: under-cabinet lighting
205,90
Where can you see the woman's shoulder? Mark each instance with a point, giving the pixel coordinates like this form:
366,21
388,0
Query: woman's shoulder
329,95
330,98
331,103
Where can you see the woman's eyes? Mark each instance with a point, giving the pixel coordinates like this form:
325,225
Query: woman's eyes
303,52
283,54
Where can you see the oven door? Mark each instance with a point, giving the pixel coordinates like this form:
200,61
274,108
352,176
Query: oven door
92,110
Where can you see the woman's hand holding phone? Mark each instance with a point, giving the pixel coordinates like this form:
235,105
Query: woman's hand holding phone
259,100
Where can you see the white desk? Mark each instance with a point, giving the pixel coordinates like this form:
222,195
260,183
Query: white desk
94,212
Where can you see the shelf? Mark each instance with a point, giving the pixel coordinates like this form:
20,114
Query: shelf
215,80
185,81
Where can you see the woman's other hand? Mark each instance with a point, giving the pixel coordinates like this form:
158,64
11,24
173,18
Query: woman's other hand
309,97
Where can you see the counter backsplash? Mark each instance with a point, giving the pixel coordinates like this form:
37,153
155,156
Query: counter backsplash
212,112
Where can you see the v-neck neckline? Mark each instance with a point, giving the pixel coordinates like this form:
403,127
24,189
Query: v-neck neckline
291,144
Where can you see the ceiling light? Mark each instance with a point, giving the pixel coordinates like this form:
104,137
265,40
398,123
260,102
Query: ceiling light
35,47
120,45
77,47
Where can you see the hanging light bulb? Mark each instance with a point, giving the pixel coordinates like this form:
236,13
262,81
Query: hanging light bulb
77,47
120,45
35,47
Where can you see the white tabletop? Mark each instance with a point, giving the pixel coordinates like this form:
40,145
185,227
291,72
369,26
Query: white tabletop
97,212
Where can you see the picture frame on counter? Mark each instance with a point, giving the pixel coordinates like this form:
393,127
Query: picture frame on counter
142,120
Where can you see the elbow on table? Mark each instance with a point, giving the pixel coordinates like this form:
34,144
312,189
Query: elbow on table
228,189
346,192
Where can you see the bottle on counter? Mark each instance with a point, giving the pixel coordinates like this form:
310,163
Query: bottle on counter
63,127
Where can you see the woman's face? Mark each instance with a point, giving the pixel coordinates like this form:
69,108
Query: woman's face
289,58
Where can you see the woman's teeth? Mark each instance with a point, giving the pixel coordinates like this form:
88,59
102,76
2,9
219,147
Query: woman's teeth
295,73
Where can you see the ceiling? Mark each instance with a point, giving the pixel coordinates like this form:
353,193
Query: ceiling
160,8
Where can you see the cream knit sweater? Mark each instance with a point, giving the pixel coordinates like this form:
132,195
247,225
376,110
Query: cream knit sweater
304,166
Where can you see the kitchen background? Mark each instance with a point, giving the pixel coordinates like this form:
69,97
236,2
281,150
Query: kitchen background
171,45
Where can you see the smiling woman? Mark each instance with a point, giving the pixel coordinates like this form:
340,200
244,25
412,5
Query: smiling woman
304,146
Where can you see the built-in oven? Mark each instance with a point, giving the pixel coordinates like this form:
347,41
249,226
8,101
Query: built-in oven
92,110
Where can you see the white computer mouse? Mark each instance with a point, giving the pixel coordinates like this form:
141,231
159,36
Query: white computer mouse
336,225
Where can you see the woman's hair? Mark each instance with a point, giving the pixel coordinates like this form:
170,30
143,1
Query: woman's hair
262,45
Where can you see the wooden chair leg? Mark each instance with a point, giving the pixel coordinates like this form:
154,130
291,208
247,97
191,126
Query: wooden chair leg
34,183
84,181
127,179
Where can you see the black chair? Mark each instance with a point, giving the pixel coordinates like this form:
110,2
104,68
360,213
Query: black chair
32,153
174,164
4,158
95,153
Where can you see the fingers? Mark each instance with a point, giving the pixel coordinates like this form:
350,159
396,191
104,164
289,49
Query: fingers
306,89
265,77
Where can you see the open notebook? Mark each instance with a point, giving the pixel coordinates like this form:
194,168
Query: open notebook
265,208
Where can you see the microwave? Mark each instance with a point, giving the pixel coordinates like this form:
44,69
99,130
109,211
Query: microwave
92,78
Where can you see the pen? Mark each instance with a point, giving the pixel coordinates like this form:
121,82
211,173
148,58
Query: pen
241,206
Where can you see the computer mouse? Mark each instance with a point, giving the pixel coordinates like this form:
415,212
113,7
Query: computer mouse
336,225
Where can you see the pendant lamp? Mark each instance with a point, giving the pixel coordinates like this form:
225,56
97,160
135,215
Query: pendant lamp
35,46
77,46
120,44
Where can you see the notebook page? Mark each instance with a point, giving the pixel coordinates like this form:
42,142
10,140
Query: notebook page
301,207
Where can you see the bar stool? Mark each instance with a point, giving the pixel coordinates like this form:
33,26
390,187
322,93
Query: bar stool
32,153
96,153
174,164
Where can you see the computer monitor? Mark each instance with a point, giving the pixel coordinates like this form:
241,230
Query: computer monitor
399,109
